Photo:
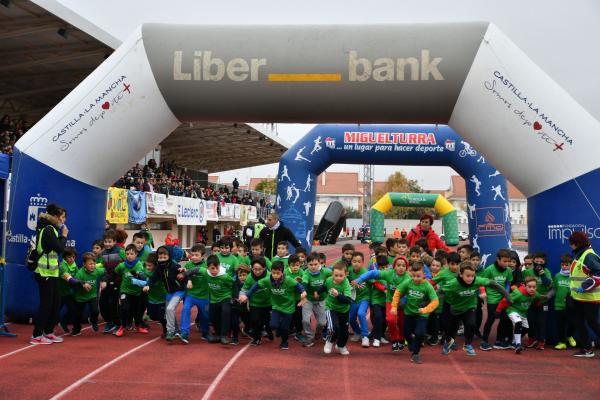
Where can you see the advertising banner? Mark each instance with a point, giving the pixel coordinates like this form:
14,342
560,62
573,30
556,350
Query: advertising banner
116,206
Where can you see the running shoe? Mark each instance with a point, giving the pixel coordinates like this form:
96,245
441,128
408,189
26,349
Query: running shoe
416,359
561,346
225,340
501,345
328,347
584,353
519,349
395,346
376,343
235,341
540,345
255,342
571,341
40,340
365,342
485,346
108,328
54,338
447,347
141,329
184,337
308,343
76,332
284,345
469,350
384,340
342,350
120,331
355,338
531,343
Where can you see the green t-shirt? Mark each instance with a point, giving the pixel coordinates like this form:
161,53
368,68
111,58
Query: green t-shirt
541,288
220,287
143,255
283,260
561,284
157,293
199,281
126,274
462,297
282,297
445,275
229,262
332,303
342,260
361,293
521,303
245,260
501,278
297,276
393,280
312,283
80,294
260,298
64,289
417,296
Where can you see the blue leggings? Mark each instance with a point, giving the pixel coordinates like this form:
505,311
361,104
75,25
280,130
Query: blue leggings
359,309
202,305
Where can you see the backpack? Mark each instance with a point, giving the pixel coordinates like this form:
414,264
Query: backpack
31,261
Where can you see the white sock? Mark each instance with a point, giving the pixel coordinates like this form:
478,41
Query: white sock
517,338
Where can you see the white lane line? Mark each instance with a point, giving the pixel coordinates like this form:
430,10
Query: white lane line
36,345
215,383
100,369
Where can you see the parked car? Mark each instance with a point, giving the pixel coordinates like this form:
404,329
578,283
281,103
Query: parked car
364,233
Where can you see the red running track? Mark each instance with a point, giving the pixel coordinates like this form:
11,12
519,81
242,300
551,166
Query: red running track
95,366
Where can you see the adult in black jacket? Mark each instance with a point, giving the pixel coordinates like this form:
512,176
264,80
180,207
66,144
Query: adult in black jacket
275,232
52,240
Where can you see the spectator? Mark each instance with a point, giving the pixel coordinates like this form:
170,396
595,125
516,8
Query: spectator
235,184
275,233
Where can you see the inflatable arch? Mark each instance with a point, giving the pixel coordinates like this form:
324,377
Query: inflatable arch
467,75
436,201
487,197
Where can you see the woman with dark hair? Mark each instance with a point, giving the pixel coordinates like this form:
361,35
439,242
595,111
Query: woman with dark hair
584,302
424,230
51,240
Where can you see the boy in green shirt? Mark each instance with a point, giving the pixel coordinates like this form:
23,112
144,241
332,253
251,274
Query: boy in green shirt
86,293
260,302
197,296
421,300
501,273
239,311
360,301
347,253
139,241
282,254
256,250
294,271
561,290
130,293
337,309
220,292
283,300
156,294
378,299
67,268
226,259
313,278
461,294
538,312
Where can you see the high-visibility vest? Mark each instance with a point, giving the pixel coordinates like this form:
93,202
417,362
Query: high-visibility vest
257,228
48,262
577,278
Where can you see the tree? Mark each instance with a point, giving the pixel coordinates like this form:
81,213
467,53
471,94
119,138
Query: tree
267,186
397,182
352,213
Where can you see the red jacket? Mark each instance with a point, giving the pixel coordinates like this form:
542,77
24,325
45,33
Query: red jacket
433,240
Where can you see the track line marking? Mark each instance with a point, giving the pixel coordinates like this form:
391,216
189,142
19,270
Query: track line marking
36,345
147,382
100,369
217,380
481,394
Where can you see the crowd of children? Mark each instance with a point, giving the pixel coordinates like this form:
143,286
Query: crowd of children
398,294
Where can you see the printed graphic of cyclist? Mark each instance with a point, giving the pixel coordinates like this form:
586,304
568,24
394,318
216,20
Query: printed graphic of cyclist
467,150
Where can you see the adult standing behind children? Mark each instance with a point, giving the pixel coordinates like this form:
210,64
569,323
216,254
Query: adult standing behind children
424,230
585,291
51,241
275,233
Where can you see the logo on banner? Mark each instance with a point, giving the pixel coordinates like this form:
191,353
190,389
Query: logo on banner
450,145
562,232
37,205
489,221
330,143
392,141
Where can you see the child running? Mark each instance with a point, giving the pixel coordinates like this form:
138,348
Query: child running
197,296
260,302
313,279
360,301
86,294
130,294
565,326
337,306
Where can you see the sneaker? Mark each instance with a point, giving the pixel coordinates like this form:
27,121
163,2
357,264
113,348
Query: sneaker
342,350
454,346
447,347
531,343
204,337
130,328
225,340
501,345
365,342
513,345
54,338
433,340
584,353
519,349
76,332
169,336
246,333
540,345
460,331
184,337
384,340
95,326
234,341
120,331
355,338
327,348
469,350
308,343
108,328
561,346
141,329
284,345
485,346
376,343
270,336
213,339
416,359
40,340
571,341
255,342
401,346
299,337
395,346
65,328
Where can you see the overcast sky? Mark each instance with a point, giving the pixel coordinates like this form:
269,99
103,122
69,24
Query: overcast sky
560,36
